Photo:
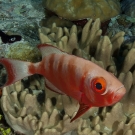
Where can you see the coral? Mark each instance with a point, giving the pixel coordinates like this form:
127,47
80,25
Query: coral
23,51
110,54
105,9
36,110
40,118
67,40
86,44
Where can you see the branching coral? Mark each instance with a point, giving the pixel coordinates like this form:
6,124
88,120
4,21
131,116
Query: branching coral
109,53
88,44
25,112
32,109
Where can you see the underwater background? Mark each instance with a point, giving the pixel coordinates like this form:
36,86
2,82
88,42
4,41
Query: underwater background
100,31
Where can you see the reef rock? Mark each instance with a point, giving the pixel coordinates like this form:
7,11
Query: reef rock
128,7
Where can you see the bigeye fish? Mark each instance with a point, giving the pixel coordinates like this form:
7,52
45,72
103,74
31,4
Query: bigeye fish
67,74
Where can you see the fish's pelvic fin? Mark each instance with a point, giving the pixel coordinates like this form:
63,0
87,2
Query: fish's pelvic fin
15,69
50,86
47,49
82,109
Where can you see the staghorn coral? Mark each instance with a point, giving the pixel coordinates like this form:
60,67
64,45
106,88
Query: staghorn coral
104,9
52,112
86,44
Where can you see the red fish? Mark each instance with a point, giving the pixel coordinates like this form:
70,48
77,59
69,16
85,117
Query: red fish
67,74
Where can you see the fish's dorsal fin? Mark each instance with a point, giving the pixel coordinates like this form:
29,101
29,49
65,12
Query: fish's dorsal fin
47,49
50,86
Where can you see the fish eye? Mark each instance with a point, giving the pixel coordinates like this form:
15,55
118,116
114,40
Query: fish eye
12,39
98,84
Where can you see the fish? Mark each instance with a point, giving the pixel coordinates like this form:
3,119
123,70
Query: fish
9,38
81,79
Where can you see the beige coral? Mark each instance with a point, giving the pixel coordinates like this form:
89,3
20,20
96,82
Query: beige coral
77,10
91,45
25,113
106,53
52,115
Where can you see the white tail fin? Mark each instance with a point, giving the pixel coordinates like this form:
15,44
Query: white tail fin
16,69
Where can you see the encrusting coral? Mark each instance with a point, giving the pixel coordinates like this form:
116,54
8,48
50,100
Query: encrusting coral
65,13
103,9
31,108
23,51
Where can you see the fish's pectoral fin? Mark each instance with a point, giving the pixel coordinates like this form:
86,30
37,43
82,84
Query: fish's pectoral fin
47,49
82,109
50,86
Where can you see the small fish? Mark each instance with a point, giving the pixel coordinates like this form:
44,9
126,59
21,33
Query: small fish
9,38
76,77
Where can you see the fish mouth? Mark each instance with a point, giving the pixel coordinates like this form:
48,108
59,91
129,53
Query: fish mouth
119,93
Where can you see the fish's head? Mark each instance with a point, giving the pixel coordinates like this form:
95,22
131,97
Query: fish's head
104,90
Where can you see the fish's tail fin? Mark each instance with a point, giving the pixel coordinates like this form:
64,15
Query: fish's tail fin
16,69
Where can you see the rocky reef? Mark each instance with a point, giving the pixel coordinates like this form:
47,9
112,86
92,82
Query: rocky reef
127,7
21,17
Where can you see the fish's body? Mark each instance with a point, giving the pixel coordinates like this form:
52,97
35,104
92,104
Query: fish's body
67,74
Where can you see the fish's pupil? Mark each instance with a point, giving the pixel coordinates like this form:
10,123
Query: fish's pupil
13,39
98,86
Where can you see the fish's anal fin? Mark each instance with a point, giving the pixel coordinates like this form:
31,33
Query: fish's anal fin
82,109
50,86
47,49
